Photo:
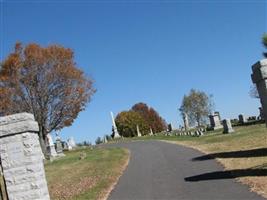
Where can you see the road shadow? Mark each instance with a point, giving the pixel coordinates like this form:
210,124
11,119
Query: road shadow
234,154
230,174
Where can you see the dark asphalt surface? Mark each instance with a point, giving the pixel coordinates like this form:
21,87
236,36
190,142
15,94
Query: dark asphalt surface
159,170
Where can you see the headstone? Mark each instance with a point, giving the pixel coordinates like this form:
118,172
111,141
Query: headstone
114,127
186,122
196,133
50,146
242,119
259,77
21,158
105,139
170,127
227,126
151,132
59,147
138,131
218,113
65,145
261,113
71,142
215,122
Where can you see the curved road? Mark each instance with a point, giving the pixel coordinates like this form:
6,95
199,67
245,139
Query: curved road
159,170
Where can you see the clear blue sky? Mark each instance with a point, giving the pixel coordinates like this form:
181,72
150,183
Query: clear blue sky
147,51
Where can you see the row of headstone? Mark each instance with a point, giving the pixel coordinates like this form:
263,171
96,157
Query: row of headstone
56,149
198,132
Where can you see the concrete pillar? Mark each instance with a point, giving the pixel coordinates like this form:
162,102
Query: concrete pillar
22,158
259,77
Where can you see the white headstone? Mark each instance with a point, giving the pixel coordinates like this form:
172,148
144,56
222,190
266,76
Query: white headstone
138,131
50,146
151,132
71,143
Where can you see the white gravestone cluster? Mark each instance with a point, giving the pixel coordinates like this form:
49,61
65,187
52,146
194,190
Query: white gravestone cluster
71,143
22,158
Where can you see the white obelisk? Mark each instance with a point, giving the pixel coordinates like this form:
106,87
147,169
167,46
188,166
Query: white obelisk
116,133
138,131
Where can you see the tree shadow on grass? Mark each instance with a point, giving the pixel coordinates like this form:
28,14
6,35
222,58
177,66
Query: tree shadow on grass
230,174
234,154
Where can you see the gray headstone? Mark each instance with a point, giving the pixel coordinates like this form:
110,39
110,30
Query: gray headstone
242,119
227,126
259,77
215,122
186,122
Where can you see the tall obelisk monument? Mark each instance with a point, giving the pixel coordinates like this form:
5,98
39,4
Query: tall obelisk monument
116,133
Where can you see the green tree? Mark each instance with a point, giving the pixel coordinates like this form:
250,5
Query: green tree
127,121
197,105
151,117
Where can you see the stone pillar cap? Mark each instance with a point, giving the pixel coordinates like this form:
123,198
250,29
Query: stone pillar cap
259,64
17,123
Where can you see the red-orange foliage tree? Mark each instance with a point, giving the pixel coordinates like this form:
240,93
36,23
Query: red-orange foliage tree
46,82
127,121
151,117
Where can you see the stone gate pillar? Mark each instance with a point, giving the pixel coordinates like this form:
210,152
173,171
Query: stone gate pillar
259,77
22,158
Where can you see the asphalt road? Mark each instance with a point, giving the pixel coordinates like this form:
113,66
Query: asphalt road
159,170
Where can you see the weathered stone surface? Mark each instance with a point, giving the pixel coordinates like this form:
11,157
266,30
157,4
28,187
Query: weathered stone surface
227,126
22,158
186,122
17,123
242,119
215,121
259,77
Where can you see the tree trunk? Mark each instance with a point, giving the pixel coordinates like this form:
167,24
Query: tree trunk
42,135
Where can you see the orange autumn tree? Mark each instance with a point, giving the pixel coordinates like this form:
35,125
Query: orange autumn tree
151,117
46,82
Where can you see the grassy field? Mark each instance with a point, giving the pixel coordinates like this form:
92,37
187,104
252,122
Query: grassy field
243,153
90,178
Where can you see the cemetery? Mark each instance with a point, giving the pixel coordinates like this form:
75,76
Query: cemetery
180,129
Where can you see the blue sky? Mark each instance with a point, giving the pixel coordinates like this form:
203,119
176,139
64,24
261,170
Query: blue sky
147,51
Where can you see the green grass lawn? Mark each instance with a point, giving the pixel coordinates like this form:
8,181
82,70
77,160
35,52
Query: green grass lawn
247,147
91,178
